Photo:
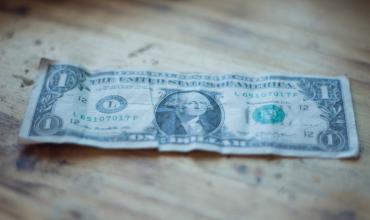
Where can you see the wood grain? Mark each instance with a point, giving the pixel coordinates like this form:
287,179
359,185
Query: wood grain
256,36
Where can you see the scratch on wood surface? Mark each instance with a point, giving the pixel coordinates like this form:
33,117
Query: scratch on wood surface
38,42
21,187
278,175
241,169
9,34
140,50
26,162
25,81
258,173
8,122
30,156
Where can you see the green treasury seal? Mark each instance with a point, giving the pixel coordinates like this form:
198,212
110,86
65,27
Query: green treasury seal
269,114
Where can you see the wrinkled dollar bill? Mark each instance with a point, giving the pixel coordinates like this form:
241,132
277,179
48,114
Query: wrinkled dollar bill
291,115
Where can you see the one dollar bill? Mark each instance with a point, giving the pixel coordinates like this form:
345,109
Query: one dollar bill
290,115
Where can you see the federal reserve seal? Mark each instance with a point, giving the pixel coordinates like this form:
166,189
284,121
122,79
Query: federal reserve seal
111,104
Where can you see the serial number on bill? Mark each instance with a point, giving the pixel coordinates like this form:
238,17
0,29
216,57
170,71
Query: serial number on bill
104,118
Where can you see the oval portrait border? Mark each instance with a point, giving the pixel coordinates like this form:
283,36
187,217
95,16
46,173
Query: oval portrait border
205,93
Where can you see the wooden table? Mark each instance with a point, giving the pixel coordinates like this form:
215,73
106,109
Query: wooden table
257,36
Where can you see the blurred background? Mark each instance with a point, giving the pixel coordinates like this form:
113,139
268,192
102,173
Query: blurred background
328,37
307,36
